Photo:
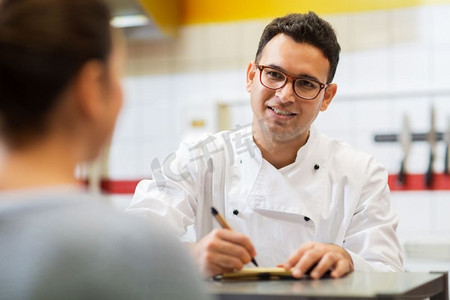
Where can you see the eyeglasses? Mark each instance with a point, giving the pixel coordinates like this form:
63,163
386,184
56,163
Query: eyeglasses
304,87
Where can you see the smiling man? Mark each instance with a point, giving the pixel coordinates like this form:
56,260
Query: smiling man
294,197
292,87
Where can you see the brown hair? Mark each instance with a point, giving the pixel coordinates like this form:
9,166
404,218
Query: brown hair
43,45
305,28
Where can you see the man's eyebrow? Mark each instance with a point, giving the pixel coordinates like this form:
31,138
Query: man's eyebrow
304,75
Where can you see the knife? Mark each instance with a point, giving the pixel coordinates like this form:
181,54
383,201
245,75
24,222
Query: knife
405,139
432,139
446,138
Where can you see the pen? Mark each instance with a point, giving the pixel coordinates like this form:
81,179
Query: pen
225,225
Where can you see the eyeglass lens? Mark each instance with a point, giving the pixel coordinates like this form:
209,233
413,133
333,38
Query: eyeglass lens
304,88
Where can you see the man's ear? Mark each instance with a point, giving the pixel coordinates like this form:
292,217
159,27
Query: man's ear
89,89
330,91
251,72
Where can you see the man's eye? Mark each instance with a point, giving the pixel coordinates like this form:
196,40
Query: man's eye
274,75
306,84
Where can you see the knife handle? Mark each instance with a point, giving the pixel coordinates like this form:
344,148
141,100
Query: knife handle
429,174
401,174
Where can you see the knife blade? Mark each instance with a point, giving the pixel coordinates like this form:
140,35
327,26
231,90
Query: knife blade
405,139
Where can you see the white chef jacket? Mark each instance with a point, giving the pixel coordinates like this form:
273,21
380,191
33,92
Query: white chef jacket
332,193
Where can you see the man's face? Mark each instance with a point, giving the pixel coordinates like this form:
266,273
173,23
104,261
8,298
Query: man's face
281,114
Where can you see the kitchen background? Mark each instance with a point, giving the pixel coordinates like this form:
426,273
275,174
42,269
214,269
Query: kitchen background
188,77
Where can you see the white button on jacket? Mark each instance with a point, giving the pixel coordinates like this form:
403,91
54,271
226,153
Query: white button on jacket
332,193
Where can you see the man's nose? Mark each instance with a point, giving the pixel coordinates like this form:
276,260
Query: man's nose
286,93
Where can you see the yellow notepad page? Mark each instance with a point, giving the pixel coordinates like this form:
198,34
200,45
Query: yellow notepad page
259,273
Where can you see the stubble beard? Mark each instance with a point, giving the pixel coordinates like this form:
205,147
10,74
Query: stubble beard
272,135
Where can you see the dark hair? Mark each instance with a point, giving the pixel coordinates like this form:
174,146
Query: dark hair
305,28
43,45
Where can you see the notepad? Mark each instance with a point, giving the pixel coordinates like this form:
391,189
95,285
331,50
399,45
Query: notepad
257,274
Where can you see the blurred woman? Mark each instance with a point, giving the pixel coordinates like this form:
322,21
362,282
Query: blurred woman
60,96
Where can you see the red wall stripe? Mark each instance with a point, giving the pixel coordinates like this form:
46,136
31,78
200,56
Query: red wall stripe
413,182
119,186
416,182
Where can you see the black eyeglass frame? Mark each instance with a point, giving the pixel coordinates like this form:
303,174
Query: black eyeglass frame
293,78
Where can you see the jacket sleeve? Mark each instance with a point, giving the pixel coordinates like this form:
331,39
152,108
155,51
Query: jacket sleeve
371,237
172,193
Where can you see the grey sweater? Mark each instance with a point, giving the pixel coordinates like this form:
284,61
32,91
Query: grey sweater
64,245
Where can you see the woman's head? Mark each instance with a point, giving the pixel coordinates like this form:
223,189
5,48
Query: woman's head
44,46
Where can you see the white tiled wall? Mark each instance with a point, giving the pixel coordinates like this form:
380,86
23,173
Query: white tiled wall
393,63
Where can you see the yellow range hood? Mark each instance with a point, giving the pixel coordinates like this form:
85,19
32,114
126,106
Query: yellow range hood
160,19
146,19
211,11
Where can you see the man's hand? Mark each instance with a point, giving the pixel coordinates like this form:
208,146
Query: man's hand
321,258
221,251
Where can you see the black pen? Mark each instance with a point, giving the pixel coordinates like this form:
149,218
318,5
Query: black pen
225,225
